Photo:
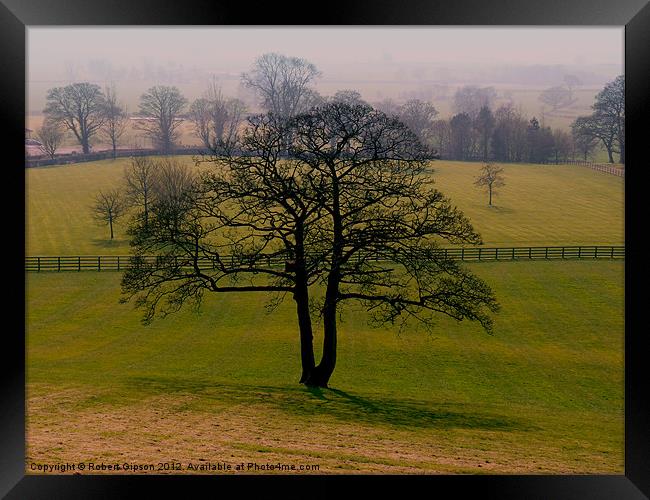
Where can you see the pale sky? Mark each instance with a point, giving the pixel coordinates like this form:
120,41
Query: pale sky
379,62
234,48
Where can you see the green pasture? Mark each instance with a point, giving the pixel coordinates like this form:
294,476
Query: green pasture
544,394
538,206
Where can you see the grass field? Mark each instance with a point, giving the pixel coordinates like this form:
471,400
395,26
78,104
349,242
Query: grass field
539,205
544,394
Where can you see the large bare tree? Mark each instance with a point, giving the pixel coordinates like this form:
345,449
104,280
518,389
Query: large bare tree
80,107
160,109
351,212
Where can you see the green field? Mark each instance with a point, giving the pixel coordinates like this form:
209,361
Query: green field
538,206
544,394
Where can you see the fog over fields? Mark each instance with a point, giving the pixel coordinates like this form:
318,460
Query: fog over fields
428,63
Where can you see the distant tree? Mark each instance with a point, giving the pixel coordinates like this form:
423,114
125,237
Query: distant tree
50,135
161,108
609,109
571,82
539,142
79,107
484,124
109,206
216,118
441,133
490,178
584,141
470,99
388,106
556,97
347,96
200,114
562,145
115,119
597,127
607,123
509,135
419,116
283,84
461,136
349,210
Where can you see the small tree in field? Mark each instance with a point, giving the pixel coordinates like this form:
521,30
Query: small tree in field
108,207
490,178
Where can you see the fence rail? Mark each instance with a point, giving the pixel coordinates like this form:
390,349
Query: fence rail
471,254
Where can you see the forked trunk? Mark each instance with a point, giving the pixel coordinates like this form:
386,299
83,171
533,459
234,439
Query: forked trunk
306,335
321,374
301,296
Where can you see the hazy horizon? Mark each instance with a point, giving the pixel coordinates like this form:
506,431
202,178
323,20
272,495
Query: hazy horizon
379,62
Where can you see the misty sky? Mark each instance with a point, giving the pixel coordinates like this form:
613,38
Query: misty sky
235,48
378,61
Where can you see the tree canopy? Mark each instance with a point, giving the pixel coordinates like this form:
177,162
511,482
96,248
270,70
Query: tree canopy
349,208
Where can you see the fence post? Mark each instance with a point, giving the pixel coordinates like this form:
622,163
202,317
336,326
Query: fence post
118,262
579,252
38,264
58,259
595,252
530,252
546,253
562,252
462,253
479,253
513,253
99,263
612,254
79,263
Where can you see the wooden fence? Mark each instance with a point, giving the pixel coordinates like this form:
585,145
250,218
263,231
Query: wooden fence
471,254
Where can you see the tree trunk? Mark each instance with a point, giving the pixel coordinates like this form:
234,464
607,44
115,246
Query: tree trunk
306,335
490,201
622,153
321,374
301,296
85,147
110,223
610,155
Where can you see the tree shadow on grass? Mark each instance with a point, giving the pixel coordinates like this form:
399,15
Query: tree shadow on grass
108,243
315,402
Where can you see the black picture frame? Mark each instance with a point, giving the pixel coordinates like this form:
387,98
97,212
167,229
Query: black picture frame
16,15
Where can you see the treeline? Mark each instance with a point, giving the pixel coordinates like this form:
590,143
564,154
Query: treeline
284,87
479,132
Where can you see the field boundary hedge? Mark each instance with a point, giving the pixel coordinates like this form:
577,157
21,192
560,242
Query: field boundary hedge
61,263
